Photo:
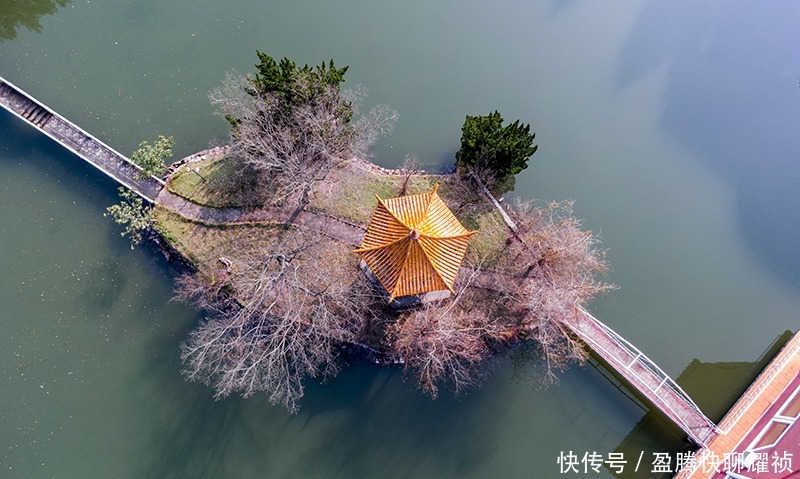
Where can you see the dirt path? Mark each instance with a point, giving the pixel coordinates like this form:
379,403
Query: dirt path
329,226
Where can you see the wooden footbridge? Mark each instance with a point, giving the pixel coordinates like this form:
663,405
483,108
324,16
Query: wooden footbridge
639,371
644,375
630,363
98,154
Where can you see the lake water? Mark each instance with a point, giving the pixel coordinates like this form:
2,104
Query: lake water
672,125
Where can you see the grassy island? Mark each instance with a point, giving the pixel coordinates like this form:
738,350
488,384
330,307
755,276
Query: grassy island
269,225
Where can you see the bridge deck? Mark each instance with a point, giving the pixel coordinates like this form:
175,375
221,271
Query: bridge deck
630,363
642,373
72,137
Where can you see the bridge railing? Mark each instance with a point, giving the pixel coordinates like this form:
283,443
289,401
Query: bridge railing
76,128
701,434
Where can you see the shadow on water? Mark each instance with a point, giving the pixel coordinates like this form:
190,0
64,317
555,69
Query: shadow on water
23,138
558,6
16,14
363,423
732,96
401,428
714,387
188,432
112,278
192,431
89,184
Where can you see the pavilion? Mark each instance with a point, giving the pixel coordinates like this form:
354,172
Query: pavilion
414,244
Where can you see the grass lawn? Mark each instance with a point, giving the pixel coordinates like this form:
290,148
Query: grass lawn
488,247
205,244
207,183
348,192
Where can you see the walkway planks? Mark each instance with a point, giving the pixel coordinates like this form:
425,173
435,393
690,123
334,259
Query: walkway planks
746,418
72,137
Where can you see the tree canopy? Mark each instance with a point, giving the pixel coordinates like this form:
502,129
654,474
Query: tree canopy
283,79
487,145
133,214
296,302
152,158
292,124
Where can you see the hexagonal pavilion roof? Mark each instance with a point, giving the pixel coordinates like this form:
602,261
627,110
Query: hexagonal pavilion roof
414,244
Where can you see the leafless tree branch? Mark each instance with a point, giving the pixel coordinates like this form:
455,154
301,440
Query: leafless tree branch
292,146
560,267
288,322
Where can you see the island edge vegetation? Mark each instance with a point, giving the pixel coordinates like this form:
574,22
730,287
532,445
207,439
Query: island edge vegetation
279,210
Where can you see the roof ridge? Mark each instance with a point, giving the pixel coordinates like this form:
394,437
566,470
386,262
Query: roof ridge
388,210
427,259
430,196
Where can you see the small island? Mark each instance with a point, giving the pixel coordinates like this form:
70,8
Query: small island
273,225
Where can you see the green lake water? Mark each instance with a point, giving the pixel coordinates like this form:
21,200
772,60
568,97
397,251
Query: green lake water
673,126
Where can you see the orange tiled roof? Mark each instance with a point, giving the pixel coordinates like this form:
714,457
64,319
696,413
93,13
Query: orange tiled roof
414,244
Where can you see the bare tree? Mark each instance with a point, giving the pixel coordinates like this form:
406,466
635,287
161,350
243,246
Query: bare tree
544,310
445,343
409,167
292,135
554,246
465,195
559,266
285,320
441,347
